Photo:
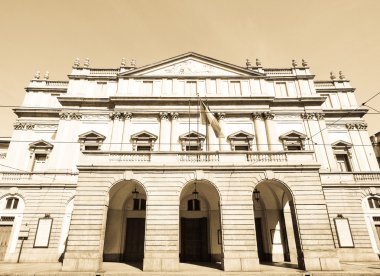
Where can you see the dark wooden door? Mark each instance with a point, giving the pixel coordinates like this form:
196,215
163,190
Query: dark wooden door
5,233
259,239
194,241
134,242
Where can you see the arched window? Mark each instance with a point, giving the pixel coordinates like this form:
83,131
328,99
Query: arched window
374,202
193,205
12,203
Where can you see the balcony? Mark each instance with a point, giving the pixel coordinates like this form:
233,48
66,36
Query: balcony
196,158
350,177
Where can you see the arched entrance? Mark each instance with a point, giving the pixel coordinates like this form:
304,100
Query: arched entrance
276,225
125,228
200,227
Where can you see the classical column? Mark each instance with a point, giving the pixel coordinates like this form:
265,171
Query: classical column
117,130
367,146
126,138
164,132
261,135
272,138
174,145
223,144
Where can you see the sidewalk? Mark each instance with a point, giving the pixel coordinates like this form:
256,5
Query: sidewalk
118,269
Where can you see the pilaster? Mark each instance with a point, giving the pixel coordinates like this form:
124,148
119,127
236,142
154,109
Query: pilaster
165,130
260,130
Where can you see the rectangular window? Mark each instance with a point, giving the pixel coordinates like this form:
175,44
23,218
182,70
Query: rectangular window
343,162
191,88
147,88
236,88
136,204
91,147
39,162
143,148
242,148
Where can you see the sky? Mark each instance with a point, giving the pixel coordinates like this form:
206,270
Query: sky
332,35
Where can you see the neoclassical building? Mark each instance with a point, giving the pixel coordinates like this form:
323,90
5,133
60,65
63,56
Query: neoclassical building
189,159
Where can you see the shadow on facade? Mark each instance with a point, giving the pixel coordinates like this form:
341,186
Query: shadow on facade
200,227
277,235
125,229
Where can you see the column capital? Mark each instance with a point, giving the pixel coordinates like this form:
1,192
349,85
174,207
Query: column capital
128,115
268,115
307,116
256,115
117,115
164,115
361,126
319,116
350,126
174,115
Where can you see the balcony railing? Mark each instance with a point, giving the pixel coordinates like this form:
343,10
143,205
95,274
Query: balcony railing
350,177
109,158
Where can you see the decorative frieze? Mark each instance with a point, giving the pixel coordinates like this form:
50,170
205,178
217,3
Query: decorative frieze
117,115
24,126
70,115
357,125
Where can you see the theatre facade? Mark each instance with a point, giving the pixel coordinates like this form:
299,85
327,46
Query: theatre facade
189,159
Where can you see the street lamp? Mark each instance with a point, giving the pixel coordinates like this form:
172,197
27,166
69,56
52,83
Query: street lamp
195,192
256,194
135,194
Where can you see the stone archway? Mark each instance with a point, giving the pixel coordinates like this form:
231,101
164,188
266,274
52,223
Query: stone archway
200,226
125,227
277,234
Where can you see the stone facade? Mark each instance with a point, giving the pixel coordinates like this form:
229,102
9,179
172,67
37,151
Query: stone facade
190,159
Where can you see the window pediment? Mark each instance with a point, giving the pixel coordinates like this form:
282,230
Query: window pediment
143,141
40,145
192,141
192,135
91,140
293,135
341,145
293,140
241,135
241,141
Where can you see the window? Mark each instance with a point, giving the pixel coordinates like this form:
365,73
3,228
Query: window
342,155
147,88
143,141
139,204
191,88
293,140
192,141
39,162
91,140
236,88
12,203
281,89
343,162
241,141
193,205
39,153
374,202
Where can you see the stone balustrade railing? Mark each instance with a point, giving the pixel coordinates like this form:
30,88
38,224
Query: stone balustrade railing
104,71
367,177
331,178
278,72
324,84
57,83
139,158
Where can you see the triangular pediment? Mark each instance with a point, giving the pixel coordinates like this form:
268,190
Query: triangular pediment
192,135
341,144
293,135
41,144
144,135
191,64
241,134
92,135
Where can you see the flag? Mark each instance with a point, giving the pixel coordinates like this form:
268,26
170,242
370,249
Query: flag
207,116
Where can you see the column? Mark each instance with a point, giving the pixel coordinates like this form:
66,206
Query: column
117,130
174,143
327,144
223,143
164,132
126,138
272,138
261,135
357,158
367,146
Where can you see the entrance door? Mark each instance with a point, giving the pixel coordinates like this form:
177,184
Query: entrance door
259,240
134,242
194,242
5,233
